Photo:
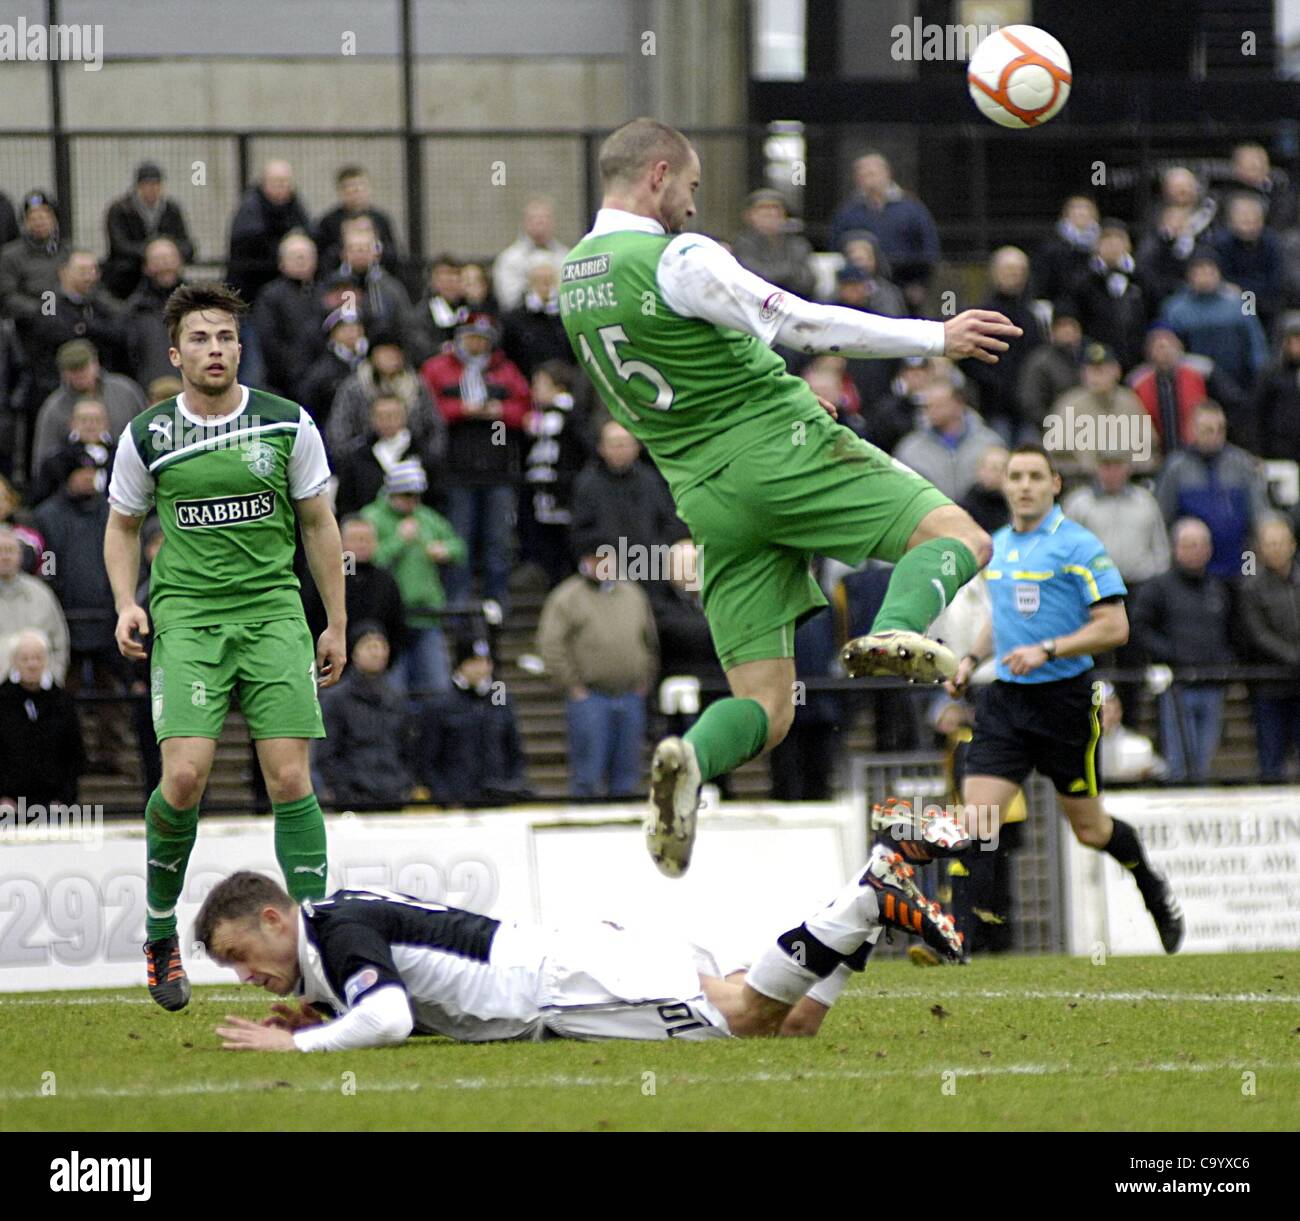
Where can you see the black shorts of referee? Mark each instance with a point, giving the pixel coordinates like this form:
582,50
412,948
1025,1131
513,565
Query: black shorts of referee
1053,727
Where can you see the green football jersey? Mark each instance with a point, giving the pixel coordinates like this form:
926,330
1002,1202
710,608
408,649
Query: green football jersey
694,393
224,491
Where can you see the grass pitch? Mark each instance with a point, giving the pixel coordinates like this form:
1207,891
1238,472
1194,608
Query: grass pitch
1185,1043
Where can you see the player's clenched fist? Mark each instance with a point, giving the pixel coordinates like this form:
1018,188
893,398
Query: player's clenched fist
981,333
132,623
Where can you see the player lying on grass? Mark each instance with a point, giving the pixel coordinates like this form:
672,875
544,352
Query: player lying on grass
391,966
676,336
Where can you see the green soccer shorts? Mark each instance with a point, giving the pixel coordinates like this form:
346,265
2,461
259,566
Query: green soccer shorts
271,665
757,522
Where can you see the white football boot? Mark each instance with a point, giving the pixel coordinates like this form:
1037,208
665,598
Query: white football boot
898,654
674,800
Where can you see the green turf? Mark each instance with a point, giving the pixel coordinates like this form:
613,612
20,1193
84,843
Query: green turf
1062,1059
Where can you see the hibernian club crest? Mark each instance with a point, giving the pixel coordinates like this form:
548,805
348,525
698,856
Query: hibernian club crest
260,458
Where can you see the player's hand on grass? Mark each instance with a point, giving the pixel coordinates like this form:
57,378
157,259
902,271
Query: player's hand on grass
292,1017
243,1035
828,407
331,656
981,333
1025,659
132,623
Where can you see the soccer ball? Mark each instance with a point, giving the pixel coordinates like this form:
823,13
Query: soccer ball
1019,76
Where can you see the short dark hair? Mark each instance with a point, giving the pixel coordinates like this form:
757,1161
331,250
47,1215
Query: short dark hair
445,259
349,171
639,144
205,295
559,371
1031,447
237,897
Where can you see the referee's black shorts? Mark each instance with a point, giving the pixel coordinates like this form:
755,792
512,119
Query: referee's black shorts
1053,727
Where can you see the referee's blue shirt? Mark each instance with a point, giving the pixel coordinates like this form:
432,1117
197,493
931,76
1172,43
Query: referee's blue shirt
1041,585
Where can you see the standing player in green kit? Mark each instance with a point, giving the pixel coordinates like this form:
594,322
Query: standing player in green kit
233,472
675,334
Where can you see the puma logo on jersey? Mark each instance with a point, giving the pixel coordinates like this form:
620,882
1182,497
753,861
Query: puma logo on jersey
170,866
162,432
318,870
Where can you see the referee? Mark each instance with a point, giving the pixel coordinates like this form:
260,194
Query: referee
1056,598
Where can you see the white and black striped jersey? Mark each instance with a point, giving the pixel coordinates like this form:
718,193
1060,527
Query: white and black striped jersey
393,965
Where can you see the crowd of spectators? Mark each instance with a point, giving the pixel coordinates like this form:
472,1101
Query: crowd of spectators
1160,363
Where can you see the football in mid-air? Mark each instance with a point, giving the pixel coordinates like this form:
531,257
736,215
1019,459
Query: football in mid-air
1019,76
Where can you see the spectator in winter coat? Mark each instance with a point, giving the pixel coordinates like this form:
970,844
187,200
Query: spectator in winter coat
381,298
1065,256
144,331
433,320
88,437
365,759
385,371
1219,484
29,265
948,448
1270,619
510,271
345,351
1112,307
265,215
482,398
28,602
471,752
1051,369
288,317
414,543
1276,405
137,218
353,184
82,377
533,333
41,751
1250,255
364,461
769,247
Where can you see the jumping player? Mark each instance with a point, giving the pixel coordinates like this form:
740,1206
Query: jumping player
389,966
675,334
233,472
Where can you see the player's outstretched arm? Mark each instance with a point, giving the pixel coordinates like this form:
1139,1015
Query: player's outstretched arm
381,1018
981,333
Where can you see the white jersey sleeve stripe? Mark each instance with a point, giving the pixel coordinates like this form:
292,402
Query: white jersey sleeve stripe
699,279
130,491
309,469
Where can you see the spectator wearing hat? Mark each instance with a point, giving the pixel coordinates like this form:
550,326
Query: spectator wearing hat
29,265
1270,620
365,761
81,377
471,752
353,186
433,319
370,591
288,316
556,449
597,637
483,399
345,348
89,432
80,309
510,270
41,749
1008,272
902,224
1207,316
1276,403
414,544
385,370
133,221
1218,483
148,345
363,462
1052,368
533,334
770,246
1064,257
72,522
1100,415
1112,307
1250,254
948,447
28,602
381,298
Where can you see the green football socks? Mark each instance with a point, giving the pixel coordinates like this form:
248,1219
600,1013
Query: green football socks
728,733
925,581
169,836
300,847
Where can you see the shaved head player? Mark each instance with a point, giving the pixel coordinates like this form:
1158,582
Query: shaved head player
675,334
